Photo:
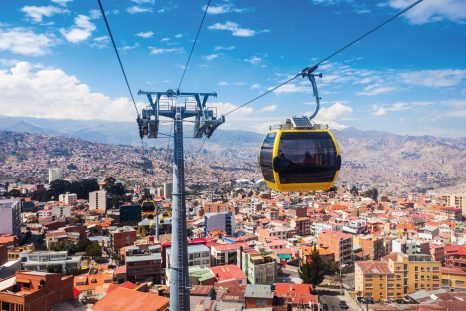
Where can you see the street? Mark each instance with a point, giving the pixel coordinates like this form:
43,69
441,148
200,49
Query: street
331,297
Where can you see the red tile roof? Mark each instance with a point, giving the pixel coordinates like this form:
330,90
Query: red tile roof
228,272
123,299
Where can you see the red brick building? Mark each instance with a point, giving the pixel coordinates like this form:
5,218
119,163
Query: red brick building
34,291
339,243
123,236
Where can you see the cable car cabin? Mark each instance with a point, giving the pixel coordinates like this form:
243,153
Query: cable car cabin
148,207
299,157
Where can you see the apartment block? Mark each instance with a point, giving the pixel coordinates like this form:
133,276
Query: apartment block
44,260
10,217
372,246
68,198
339,243
302,226
396,275
34,291
260,267
144,263
98,200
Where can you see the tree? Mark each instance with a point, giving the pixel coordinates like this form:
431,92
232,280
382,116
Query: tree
59,186
41,195
354,191
372,193
314,271
94,249
82,245
14,193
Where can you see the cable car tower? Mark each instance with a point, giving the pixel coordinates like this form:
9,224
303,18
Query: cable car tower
164,104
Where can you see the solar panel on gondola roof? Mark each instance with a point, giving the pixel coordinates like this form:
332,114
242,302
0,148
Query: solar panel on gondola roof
301,122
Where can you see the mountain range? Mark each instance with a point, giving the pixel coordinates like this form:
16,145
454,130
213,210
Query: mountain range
370,158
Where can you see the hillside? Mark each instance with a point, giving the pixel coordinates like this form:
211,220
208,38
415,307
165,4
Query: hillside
388,161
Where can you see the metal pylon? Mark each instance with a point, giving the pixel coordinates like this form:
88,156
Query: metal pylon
206,123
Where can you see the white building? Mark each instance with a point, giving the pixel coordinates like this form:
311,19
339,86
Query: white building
45,260
98,199
198,255
167,191
55,173
10,217
219,221
68,198
55,210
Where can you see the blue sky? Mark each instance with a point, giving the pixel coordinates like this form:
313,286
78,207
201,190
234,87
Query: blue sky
409,77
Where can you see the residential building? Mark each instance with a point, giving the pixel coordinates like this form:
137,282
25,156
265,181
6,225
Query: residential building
296,295
396,275
453,278
10,217
55,210
55,173
143,263
34,291
224,254
260,267
68,198
45,261
372,246
198,255
339,243
219,221
98,200
280,232
167,191
302,225
258,296
124,299
229,272
410,246
122,236
458,201
93,285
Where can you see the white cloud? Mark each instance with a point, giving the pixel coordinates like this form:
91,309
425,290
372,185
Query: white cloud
379,111
143,1
255,86
433,11
157,51
254,60
36,13
61,2
145,34
25,42
222,9
81,31
224,48
25,91
374,89
210,57
235,29
100,42
225,107
135,9
292,88
270,108
332,114
434,78
178,36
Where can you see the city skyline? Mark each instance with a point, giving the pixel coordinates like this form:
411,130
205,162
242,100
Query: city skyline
58,56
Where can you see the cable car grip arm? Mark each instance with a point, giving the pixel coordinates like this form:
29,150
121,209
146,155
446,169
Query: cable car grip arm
308,72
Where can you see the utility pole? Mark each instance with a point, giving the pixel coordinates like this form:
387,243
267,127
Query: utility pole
164,104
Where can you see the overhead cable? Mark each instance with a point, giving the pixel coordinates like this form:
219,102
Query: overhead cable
309,70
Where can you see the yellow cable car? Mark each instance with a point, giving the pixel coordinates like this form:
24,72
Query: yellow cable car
299,156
